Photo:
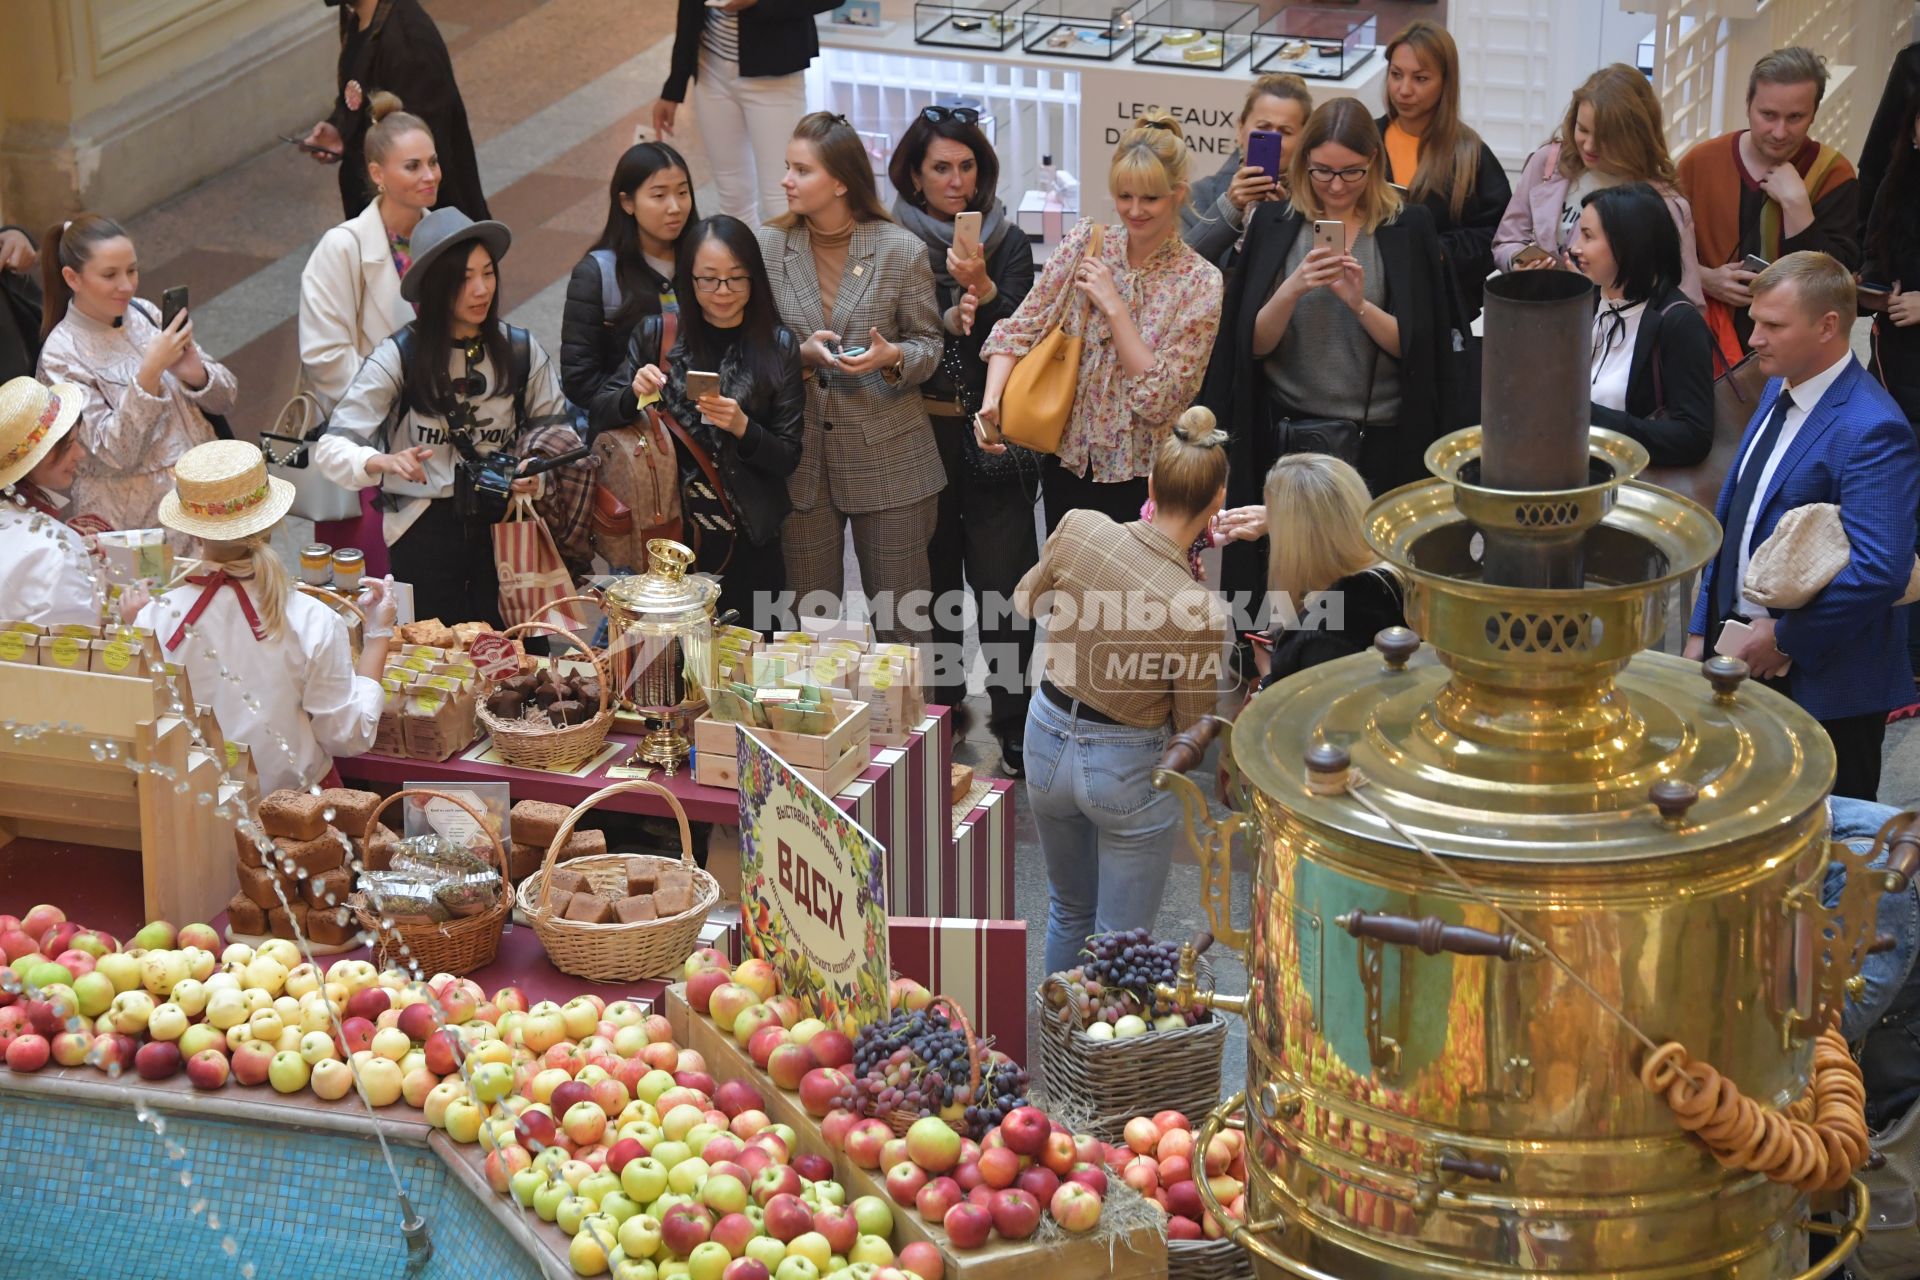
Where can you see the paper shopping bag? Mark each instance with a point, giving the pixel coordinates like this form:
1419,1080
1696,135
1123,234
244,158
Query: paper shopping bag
532,575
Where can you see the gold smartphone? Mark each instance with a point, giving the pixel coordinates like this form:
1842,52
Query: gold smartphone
966,233
1529,254
1330,235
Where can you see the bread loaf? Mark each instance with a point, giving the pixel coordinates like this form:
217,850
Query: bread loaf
288,922
244,915
588,909
352,810
636,908
293,815
536,821
310,857
583,844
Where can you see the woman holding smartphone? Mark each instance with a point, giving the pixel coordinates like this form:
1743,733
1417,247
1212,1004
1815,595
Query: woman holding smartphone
628,274
1211,223
856,288
350,289
453,387
1151,307
1612,134
1438,159
149,387
945,173
750,424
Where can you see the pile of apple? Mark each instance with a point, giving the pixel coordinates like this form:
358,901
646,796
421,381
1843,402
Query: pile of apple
1026,1168
1162,1162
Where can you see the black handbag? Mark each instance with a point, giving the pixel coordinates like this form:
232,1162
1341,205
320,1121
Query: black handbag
1341,438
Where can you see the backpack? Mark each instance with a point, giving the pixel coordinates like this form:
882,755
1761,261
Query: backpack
639,471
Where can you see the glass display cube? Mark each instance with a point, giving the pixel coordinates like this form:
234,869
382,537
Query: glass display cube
1319,44
1099,29
1209,34
966,24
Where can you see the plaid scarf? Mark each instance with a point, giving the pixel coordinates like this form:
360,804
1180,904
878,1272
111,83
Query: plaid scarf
567,502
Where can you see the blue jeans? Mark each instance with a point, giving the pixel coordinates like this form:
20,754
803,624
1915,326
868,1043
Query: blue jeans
1855,822
1106,832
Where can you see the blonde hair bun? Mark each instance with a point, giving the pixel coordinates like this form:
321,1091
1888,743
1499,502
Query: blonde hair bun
1151,157
381,104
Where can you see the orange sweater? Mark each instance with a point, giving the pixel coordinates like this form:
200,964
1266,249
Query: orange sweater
1714,180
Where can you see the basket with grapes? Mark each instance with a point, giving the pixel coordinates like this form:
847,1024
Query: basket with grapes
1109,1042
928,1062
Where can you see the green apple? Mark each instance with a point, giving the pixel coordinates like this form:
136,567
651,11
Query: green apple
546,1201
673,1271
288,1073
874,1216
648,1088
767,1251
826,1193
463,1118
871,1249
587,1254
568,1213
525,1182
94,993
154,936
796,1267
670,1154
707,1261
597,1185
645,1179
635,1269
640,1234
191,995
619,1206
168,1021
121,969
129,1012
201,1036
492,1081
812,1246
688,1176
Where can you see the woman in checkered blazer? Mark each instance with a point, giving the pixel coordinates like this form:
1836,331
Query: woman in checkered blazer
856,288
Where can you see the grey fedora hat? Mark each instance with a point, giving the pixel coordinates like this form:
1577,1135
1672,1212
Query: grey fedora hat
445,229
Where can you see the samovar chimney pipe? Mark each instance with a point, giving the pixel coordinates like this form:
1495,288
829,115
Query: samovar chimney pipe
1535,414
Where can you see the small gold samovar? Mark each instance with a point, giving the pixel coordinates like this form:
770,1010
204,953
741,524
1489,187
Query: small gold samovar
660,640
1621,848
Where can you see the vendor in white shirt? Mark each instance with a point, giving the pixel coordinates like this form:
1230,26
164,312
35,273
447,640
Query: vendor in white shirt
49,577
274,664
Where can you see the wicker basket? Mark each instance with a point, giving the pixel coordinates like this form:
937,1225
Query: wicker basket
618,952
455,946
900,1121
1116,1080
520,743
349,610
1208,1260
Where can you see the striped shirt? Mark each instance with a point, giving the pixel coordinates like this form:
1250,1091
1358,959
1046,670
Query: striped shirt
1129,632
721,36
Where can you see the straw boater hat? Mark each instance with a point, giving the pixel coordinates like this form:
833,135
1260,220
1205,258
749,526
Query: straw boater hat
444,230
34,417
222,493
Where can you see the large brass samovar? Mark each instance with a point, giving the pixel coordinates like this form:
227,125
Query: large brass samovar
1444,1047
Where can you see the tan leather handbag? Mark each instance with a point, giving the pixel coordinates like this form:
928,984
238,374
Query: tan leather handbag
1805,551
1038,398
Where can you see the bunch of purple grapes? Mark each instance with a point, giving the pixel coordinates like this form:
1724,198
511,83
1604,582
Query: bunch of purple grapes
916,1061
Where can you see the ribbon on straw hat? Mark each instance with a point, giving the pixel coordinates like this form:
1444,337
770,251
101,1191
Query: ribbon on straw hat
34,417
222,493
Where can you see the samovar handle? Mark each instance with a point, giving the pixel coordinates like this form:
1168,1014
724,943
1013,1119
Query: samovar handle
1903,855
1433,935
1211,838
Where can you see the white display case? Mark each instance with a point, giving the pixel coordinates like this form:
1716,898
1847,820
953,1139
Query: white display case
966,24
1211,35
1100,30
1317,44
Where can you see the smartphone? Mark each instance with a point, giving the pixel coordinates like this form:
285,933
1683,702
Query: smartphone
1263,152
1529,253
1873,290
988,429
1755,263
966,233
702,384
1734,634
172,302
309,148
847,353
1330,235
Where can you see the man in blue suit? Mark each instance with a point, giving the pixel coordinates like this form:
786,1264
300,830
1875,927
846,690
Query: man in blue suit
1824,432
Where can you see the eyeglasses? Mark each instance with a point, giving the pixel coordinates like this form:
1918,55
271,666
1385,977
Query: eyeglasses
940,115
1320,173
723,284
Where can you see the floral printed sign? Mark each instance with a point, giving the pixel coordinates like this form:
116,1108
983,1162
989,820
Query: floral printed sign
813,896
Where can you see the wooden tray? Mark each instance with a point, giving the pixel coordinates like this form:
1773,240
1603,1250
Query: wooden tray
1135,1257
801,750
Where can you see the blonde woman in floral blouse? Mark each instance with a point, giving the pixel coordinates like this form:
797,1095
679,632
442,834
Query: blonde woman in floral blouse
1151,308
148,389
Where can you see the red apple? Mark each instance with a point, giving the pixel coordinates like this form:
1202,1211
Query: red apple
16,943
762,1043
1174,1142
736,1096
999,1167
1183,1228
1025,1131
1141,1135
753,1160
1016,1215
819,1087
1175,1169
981,1195
567,1094
733,1231
113,1053
1075,1208
968,1226
746,1269
774,1181
357,1033
722,1148
788,1065
250,1062
837,1223
967,1174
772,1143
865,1141
685,1227
1059,1154
836,1125
831,1048
702,985
29,1052
443,1052
208,1069
787,1217
923,1260
55,939
157,1061
661,1056
1183,1199
622,1151
893,1152
937,1197
1142,1174
814,1168
536,1130
1092,1177
369,1003
418,1021
698,1081
992,1138
1039,1182
1089,1148
905,1181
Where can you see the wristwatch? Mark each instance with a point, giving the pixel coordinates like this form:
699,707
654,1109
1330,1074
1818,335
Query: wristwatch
894,372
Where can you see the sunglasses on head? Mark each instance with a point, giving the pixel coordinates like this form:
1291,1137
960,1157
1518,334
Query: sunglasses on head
940,115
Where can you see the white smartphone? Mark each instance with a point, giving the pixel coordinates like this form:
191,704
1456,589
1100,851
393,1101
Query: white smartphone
1330,235
966,233
1734,635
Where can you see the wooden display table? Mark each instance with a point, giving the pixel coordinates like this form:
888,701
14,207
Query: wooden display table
1139,1254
